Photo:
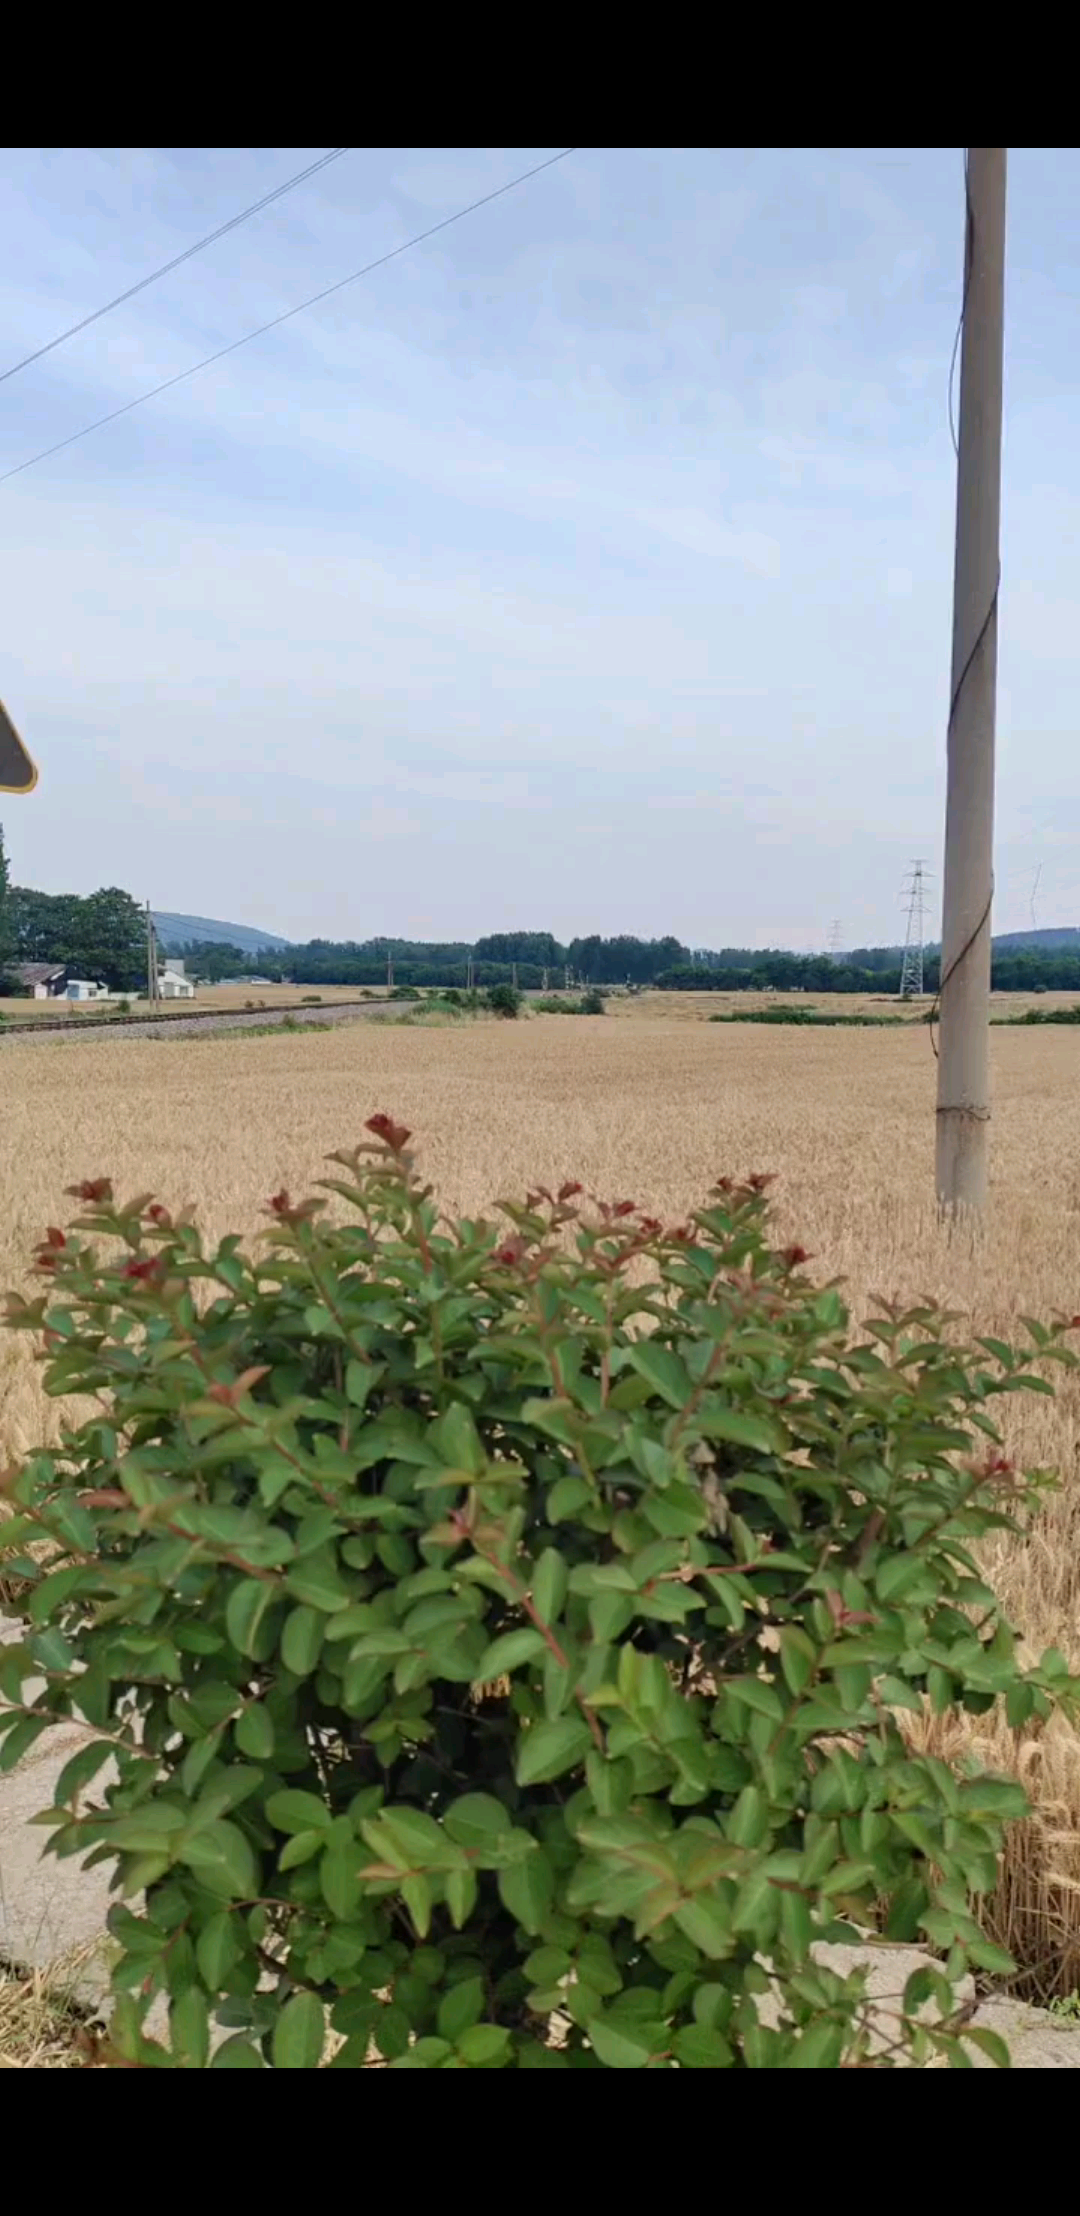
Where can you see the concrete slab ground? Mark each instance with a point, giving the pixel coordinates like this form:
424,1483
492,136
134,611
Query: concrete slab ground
48,1910
1035,2039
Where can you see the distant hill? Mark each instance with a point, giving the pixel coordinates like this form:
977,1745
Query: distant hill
175,932
1065,938
1062,938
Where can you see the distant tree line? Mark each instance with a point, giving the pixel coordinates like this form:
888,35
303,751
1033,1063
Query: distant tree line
870,970
102,935
540,959
537,956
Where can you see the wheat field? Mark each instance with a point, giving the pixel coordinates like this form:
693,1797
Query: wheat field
652,1107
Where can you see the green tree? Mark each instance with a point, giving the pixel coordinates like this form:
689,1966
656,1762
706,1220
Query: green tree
8,949
113,929
537,947
215,959
102,936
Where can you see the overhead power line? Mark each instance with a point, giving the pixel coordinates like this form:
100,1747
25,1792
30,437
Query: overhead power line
233,223
287,314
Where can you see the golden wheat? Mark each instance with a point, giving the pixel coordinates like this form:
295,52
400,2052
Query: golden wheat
652,1108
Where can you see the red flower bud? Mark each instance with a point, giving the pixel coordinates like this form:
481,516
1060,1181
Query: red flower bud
570,1190
794,1256
997,1465
92,1188
624,1208
55,1238
148,1270
290,1211
393,1135
159,1215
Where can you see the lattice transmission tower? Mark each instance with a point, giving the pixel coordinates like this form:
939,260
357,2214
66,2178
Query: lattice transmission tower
911,973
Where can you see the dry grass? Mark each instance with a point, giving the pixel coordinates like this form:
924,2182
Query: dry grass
698,1007
276,996
43,2026
653,1107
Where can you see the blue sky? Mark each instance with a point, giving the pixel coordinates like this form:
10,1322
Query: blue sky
589,568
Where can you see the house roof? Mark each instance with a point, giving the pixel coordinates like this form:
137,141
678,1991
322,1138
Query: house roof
37,973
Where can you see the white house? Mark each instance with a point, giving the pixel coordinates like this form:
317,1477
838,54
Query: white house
173,985
84,988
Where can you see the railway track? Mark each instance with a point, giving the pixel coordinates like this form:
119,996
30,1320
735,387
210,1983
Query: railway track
196,1020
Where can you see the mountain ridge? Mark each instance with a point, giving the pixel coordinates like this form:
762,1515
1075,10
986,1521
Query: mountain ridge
176,931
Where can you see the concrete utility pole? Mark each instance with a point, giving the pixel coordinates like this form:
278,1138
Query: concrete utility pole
963,1103
152,988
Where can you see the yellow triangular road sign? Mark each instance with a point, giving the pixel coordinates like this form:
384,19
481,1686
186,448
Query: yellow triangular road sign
18,774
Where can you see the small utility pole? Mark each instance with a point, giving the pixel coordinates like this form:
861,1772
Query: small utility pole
152,992
963,1103
389,970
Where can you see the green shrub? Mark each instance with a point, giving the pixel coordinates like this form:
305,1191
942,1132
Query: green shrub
591,1003
503,1000
809,1016
488,1624
406,992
